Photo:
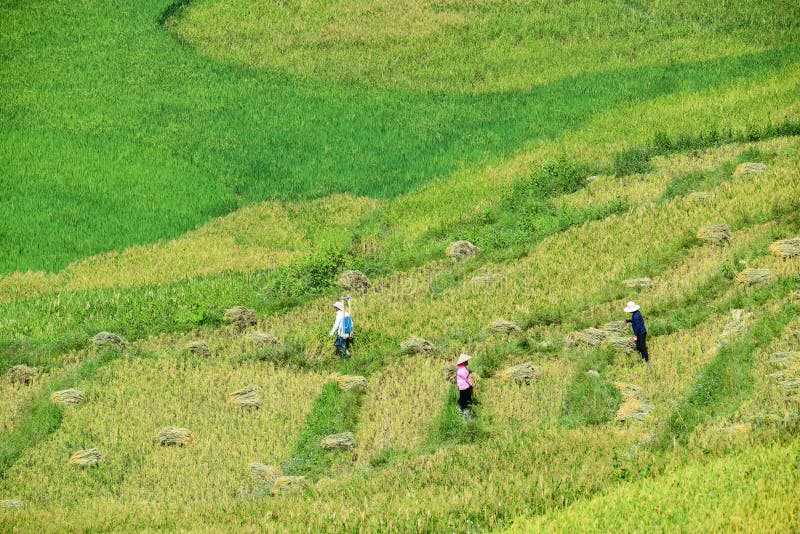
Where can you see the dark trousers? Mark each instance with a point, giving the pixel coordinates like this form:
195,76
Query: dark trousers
342,343
465,398
641,346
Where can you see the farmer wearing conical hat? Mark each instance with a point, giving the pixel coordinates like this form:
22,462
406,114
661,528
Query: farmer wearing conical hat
464,383
639,331
343,338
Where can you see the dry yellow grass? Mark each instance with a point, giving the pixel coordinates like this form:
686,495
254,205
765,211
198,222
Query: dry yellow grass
635,190
12,396
507,405
769,400
399,404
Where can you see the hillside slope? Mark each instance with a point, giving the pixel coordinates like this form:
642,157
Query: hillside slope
533,449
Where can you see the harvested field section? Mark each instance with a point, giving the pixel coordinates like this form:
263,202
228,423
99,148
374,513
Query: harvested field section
518,470
687,275
129,402
635,190
675,360
399,404
401,306
776,364
509,406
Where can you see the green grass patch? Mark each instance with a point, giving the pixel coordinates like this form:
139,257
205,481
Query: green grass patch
450,428
590,400
333,412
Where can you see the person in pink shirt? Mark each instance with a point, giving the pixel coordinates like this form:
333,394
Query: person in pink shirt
464,383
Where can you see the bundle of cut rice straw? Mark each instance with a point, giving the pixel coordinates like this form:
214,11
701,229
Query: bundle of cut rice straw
246,397
458,250
621,343
240,316
520,374
263,473
588,336
67,397
417,345
103,339
751,276
638,283
716,234
786,248
199,348
86,458
351,383
21,374
501,326
173,435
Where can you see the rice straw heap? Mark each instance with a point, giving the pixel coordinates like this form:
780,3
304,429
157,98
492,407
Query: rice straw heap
616,327
287,484
105,339
246,397
355,281
263,339
417,345
459,250
199,348
787,379
240,316
501,326
21,374
352,383
638,283
86,458
263,473
785,360
519,374
716,234
339,442
67,397
786,248
748,167
624,344
737,324
751,276
588,336
173,435
697,196
635,405
10,504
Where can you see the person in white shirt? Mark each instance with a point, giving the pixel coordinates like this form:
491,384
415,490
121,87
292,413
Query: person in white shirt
342,342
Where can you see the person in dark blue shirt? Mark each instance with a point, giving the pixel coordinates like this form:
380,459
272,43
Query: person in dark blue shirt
639,330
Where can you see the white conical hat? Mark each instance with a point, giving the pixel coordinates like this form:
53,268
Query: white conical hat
631,307
338,305
463,358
